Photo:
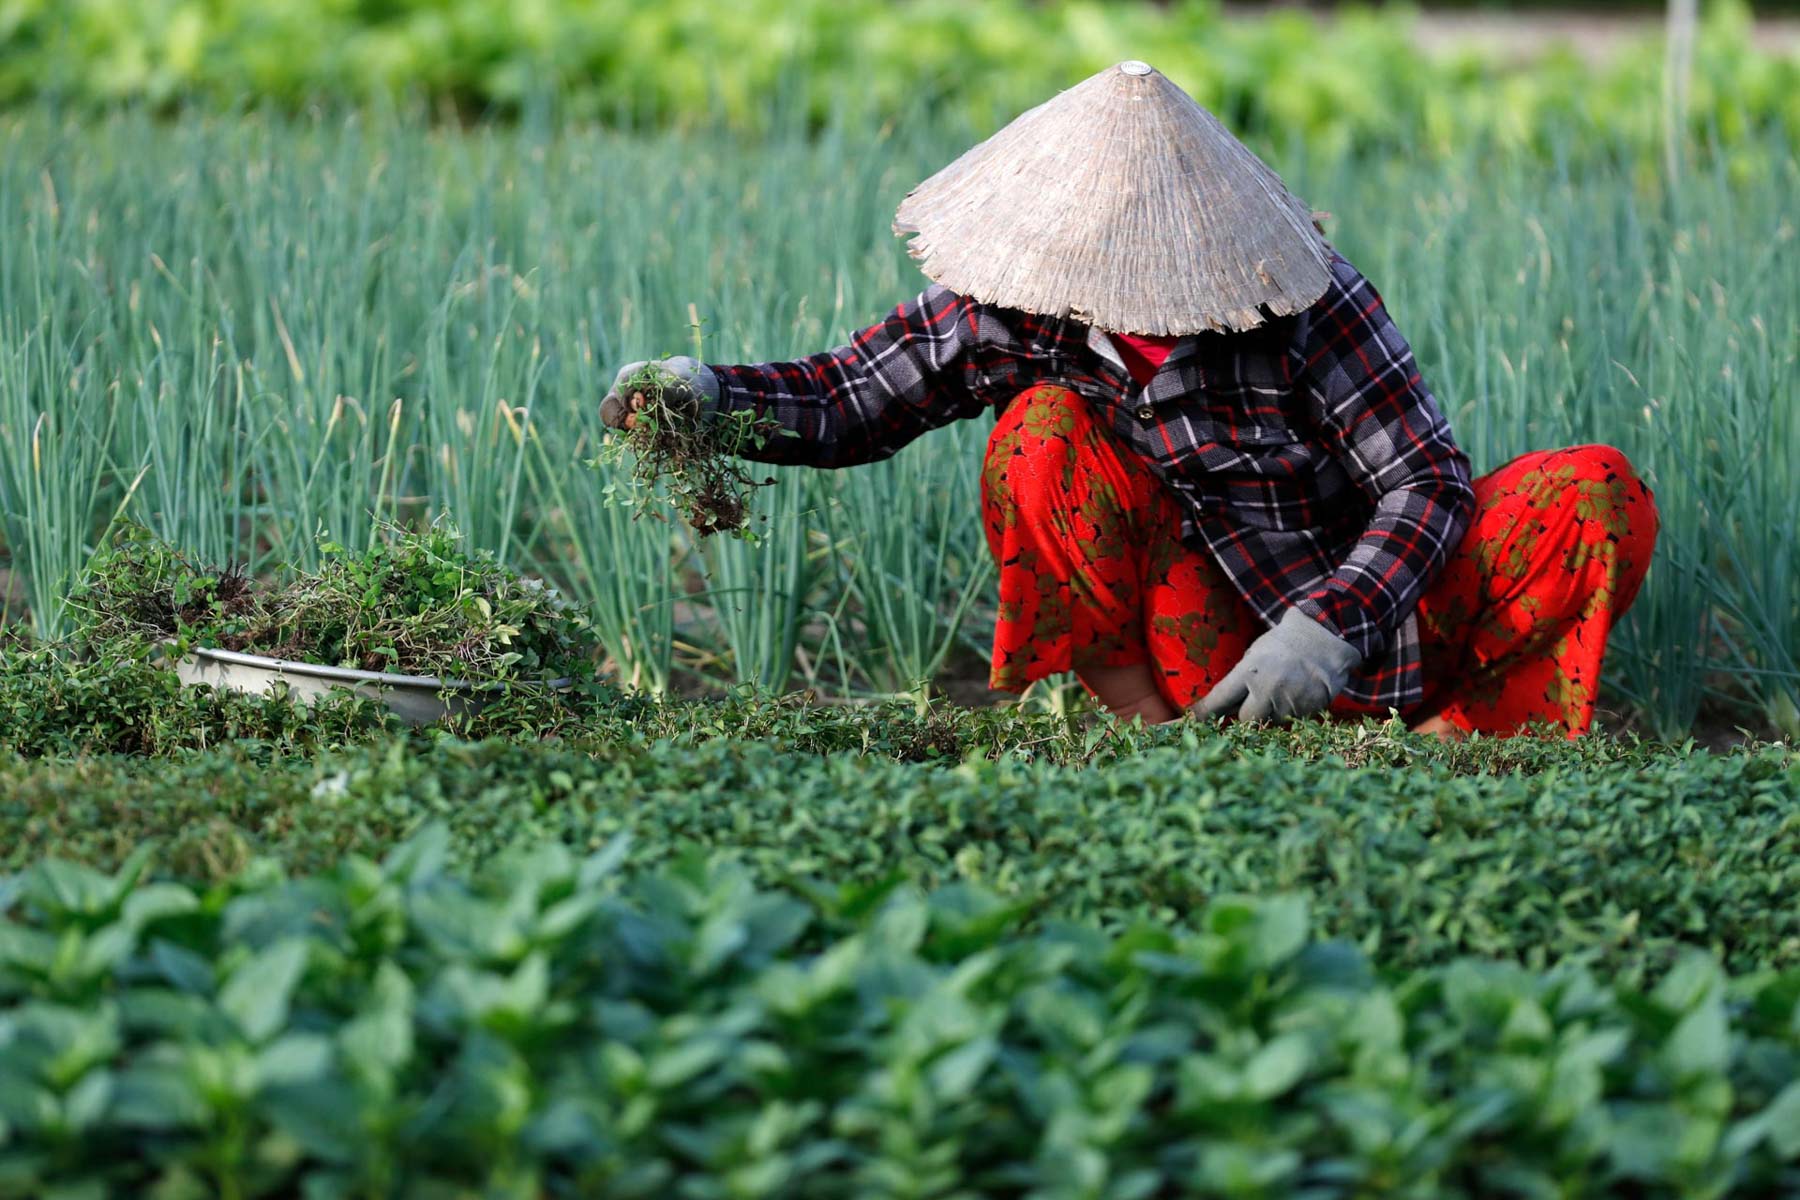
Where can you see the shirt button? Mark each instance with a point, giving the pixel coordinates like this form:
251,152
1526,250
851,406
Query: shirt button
1145,412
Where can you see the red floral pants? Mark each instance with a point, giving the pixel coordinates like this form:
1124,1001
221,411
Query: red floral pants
1512,631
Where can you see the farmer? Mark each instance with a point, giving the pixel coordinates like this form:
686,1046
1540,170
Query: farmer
1217,482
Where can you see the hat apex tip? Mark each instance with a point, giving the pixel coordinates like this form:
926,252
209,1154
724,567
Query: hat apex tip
1132,66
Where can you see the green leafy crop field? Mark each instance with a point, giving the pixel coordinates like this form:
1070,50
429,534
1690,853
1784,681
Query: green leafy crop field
616,943
1623,856
398,1030
610,943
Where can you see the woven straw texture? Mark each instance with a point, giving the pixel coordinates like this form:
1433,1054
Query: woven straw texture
1125,204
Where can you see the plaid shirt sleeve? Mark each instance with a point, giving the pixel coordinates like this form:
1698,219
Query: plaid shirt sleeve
1377,415
909,373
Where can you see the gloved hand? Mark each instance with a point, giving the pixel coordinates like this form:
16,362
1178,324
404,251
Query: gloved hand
686,381
1292,670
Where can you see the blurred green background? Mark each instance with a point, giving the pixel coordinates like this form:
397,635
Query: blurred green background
1355,75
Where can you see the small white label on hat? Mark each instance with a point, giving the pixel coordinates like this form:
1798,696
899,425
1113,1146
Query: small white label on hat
1132,66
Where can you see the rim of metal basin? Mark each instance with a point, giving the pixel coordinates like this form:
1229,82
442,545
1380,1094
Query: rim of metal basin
388,679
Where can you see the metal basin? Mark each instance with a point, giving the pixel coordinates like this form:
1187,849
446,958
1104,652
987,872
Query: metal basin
415,699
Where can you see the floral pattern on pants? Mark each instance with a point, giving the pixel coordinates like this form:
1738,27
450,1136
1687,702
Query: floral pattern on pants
1513,630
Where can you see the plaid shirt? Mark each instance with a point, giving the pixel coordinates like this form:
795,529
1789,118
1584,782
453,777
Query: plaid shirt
1308,455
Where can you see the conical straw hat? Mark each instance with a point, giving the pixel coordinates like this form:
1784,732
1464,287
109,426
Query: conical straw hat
1123,203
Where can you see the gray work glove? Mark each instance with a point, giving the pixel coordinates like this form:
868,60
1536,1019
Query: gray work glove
687,381
1292,670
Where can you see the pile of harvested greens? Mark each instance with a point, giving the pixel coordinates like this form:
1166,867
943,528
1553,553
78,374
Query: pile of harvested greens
412,603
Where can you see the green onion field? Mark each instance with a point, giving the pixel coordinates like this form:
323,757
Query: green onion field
778,900
241,332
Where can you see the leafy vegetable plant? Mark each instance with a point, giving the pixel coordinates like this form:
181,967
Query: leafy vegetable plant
1615,853
545,1028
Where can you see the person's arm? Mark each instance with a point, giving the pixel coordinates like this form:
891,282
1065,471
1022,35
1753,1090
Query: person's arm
908,373
1379,418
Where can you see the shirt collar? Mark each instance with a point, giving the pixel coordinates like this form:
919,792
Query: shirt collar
1101,344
